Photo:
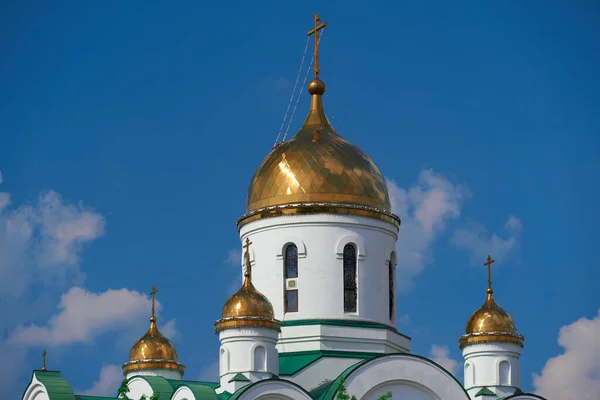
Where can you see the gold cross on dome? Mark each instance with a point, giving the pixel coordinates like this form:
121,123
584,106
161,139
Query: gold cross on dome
44,354
489,268
315,31
153,294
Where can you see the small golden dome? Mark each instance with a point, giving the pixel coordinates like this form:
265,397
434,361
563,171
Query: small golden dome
247,306
153,350
317,165
490,323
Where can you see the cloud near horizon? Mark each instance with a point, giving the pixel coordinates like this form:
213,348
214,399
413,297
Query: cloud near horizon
441,355
85,315
574,374
108,382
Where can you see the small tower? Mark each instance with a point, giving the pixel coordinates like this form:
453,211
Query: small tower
153,354
491,347
248,334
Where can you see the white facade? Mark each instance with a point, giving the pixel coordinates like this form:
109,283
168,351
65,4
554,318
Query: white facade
248,351
320,240
165,373
492,365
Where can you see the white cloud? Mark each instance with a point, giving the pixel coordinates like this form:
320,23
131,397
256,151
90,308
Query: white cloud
84,315
479,243
574,374
424,210
234,257
210,373
441,355
43,242
108,383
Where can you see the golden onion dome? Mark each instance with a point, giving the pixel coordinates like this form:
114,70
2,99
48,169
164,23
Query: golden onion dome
490,323
153,350
317,166
247,307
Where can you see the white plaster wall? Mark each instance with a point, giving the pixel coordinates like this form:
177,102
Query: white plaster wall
238,346
485,359
320,239
165,373
341,338
325,368
405,376
183,393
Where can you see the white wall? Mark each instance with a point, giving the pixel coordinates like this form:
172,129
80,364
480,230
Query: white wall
320,239
484,364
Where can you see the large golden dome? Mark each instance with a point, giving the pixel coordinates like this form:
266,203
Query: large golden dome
247,306
153,350
317,165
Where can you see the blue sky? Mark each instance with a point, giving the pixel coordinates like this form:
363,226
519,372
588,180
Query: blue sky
130,131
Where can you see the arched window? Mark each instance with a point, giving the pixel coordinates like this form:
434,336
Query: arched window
260,359
291,261
504,370
469,378
391,287
290,271
349,278
224,361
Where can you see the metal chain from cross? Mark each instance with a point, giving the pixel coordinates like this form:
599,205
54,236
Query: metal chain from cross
489,268
315,31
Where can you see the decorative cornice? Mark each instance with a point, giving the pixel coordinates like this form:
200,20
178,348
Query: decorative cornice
247,322
490,337
319,208
139,365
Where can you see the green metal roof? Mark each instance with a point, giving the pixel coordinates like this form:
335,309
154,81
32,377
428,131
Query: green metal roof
239,378
57,387
293,362
484,391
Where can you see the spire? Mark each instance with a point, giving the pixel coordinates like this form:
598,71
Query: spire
316,87
489,263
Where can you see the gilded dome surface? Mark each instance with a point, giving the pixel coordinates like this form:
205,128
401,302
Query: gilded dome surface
490,318
247,302
317,165
153,346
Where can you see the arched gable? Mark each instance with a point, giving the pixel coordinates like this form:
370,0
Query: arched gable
271,389
406,374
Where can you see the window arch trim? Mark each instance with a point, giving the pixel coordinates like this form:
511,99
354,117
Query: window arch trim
355,240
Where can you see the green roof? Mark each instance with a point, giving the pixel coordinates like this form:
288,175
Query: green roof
293,362
57,387
82,397
239,378
484,391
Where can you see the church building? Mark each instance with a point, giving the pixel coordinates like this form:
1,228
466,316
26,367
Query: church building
315,317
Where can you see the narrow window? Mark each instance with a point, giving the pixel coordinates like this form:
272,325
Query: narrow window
291,261
290,271
260,359
391,288
349,278
224,361
291,300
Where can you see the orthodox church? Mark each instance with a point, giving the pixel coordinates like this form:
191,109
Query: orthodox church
315,317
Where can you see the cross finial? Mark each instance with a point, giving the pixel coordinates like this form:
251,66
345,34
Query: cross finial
316,30
153,294
489,268
44,354
248,270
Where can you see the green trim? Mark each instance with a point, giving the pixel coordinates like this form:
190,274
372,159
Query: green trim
239,377
484,391
56,386
343,322
293,362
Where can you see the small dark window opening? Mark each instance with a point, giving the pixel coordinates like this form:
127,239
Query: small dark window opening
291,300
349,278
